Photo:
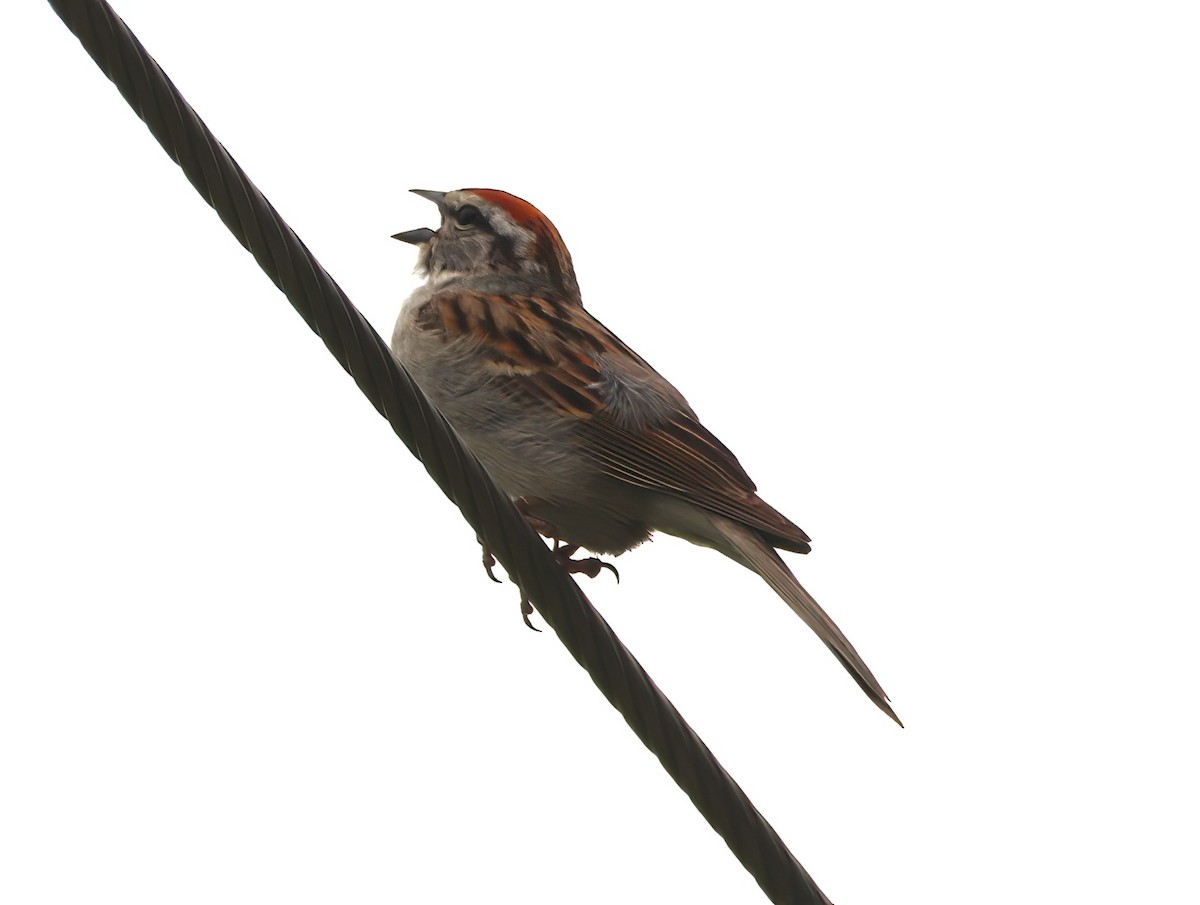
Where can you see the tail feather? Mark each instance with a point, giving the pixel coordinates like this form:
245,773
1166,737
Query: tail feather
747,547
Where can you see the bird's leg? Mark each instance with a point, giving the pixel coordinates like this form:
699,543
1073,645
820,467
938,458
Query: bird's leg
489,561
589,565
527,611
540,525
563,551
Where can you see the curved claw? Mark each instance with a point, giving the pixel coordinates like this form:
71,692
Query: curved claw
489,563
611,568
526,612
563,551
590,566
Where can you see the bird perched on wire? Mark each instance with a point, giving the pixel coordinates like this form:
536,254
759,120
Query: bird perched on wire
596,448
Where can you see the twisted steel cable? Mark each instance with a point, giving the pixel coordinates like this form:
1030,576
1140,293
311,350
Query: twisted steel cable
367,358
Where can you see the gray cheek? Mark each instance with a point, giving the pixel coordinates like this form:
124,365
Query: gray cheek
460,253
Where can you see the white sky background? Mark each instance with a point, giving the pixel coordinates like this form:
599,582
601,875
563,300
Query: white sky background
929,269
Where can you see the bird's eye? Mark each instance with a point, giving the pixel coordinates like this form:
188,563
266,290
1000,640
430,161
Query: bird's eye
468,215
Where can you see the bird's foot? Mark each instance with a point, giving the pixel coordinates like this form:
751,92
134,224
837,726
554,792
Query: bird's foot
589,565
489,561
527,611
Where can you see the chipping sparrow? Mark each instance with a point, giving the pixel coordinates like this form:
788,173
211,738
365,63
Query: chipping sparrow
597,449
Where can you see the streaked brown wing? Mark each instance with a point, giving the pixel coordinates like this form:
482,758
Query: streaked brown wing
636,425
680,456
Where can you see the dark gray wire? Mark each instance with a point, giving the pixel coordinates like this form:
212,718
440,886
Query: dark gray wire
360,350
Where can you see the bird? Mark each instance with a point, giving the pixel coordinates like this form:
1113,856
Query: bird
595,447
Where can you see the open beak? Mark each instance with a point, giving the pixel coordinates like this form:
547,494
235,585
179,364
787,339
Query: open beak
438,198
423,235
416,236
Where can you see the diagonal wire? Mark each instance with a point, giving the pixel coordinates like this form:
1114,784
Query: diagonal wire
365,356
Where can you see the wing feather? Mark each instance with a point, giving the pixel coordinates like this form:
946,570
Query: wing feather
636,426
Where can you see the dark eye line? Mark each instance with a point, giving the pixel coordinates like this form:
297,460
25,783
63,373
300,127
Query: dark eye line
468,215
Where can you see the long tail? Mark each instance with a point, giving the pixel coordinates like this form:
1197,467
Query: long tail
747,547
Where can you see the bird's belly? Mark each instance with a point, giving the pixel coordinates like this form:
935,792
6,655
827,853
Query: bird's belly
520,442
526,447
